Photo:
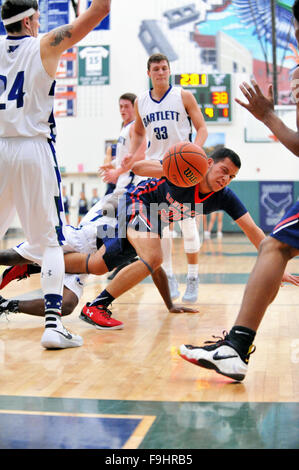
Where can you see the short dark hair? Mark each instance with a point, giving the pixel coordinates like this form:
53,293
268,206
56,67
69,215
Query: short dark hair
295,9
14,7
154,58
128,96
222,153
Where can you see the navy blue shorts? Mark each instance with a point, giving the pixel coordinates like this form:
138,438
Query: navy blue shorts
118,250
287,230
139,214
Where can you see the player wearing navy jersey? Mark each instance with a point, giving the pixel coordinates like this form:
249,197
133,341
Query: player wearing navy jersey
141,216
230,355
30,179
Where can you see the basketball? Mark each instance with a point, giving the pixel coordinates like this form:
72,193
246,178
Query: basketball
185,164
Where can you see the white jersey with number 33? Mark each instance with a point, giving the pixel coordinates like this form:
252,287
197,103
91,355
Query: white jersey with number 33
166,122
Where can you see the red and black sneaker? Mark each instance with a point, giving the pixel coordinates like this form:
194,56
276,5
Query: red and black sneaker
100,317
14,272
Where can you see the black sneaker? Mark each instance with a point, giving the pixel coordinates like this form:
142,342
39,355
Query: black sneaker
220,356
8,306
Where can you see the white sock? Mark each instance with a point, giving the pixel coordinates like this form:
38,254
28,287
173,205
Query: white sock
166,244
192,270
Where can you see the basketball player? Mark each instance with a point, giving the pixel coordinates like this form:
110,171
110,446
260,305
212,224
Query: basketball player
142,215
24,262
30,179
230,355
114,173
165,114
109,159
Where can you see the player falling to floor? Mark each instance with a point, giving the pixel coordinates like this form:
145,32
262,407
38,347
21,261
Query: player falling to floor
107,251
230,355
141,217
23,261
30,179
165,115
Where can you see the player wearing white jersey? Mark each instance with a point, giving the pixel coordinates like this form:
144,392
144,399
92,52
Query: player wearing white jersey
30,179
166,121
165,115
114,173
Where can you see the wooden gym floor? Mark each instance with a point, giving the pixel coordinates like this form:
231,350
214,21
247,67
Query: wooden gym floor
128,389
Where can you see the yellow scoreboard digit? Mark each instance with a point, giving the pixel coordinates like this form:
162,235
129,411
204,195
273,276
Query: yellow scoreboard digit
211,91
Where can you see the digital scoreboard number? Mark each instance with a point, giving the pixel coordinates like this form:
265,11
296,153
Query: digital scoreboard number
212,93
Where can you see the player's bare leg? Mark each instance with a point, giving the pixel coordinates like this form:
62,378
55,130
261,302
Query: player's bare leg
148,248
36,307
264,281
229,356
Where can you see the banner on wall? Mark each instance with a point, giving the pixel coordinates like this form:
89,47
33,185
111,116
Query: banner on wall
275,197
53,13
93,65
67,67
65,101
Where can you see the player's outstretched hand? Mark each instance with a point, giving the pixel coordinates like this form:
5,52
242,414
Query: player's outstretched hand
103,168
258,104
290,278
182,309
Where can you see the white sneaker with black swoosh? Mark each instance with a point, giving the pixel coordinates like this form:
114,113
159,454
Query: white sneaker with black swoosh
220,356
56,336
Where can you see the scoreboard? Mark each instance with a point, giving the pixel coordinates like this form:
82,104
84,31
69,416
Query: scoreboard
212,93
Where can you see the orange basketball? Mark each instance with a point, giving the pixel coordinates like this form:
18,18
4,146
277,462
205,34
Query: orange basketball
185,164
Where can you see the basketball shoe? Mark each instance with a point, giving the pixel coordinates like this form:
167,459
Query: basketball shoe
100,317
191,293
20,271
221,356
56,336
8,306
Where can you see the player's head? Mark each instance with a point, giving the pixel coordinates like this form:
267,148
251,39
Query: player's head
222,153
224,165
19,14
158,70
295,10
126,107
156,59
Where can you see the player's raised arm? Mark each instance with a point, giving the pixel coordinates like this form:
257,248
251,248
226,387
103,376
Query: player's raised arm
54,43
262,108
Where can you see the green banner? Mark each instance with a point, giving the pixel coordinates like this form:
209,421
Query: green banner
93,65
